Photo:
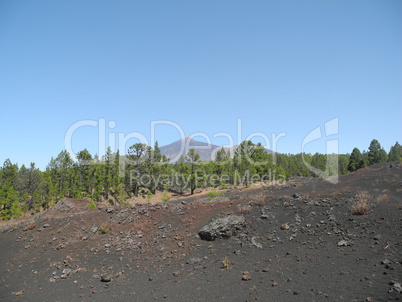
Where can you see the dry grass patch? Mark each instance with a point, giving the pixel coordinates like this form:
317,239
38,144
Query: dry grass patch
244,210
363,196
361,205
336,193
383,198
105,227
361,208
260,199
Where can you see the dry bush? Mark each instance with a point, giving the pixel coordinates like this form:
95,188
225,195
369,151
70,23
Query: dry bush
360,208
383,198
363,196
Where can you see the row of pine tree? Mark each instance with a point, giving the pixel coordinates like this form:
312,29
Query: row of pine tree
144,170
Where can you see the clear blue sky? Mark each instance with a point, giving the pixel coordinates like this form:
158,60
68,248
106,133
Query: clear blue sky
279,66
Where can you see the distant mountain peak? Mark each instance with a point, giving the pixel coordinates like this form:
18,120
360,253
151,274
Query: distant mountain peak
206,151
181,147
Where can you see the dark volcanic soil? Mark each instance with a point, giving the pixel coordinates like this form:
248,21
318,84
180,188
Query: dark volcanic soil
301,242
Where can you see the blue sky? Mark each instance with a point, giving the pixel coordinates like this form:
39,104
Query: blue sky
280,66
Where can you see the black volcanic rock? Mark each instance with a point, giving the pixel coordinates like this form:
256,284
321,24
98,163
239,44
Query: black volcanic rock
222,228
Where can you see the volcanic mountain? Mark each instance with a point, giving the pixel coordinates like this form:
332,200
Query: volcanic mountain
206,151
180,148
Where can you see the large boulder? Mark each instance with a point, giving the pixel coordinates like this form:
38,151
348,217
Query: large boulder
65,205
222,228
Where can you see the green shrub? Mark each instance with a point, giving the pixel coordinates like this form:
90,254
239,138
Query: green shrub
105,228
165,197
149,196
213,194
91,205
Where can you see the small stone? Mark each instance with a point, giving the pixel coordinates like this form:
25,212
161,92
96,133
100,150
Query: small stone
94,229
193,261
396,286
343,243
106,278
285,226
176,274
274,284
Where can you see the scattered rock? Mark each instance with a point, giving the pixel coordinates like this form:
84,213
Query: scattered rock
30,226
285,226
255,243
109,210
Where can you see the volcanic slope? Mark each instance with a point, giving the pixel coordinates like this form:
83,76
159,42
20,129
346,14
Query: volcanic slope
300,241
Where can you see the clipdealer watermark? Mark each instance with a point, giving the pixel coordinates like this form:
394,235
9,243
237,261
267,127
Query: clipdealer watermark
106,137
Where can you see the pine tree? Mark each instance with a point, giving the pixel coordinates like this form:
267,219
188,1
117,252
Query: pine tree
355,161
192,157
376,154
395,153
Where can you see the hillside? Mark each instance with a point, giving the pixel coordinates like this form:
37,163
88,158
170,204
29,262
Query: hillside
298,241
